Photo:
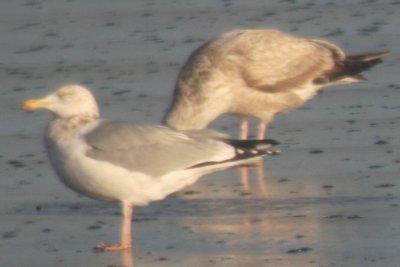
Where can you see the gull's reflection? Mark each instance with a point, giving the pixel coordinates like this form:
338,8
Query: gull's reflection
261,178
126,257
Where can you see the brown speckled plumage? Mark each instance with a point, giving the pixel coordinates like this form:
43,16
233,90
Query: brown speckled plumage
258,73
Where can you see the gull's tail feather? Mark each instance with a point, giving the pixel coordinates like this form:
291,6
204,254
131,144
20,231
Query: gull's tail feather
247,153
367,56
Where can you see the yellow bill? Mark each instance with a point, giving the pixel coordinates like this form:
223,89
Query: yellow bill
31,104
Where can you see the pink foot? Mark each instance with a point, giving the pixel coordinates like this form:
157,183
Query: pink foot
112,248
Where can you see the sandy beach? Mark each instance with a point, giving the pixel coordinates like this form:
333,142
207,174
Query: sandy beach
331,198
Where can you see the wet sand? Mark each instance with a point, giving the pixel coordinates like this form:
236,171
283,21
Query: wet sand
330,199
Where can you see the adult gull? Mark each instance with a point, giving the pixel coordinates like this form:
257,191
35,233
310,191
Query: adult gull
258,73
132,164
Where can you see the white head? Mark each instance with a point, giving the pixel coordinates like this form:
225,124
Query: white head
68,101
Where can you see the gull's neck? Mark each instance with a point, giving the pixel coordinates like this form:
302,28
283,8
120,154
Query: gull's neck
65,127
77,121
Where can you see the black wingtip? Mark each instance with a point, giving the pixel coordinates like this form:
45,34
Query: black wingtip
252,143
271,141
253,148
246,150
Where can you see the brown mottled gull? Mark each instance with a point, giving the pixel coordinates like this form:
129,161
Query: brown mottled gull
129,163
258,73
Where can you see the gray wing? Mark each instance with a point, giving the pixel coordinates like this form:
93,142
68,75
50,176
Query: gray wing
154,150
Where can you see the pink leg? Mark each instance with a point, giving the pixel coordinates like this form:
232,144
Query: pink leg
262,127
244,128
125,235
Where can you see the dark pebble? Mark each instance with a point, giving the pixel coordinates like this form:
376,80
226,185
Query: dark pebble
353,217
316,151
336,216
299,250
381,142
10,234
16,163
385,185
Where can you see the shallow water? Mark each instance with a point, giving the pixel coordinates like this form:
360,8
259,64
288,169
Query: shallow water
330,199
